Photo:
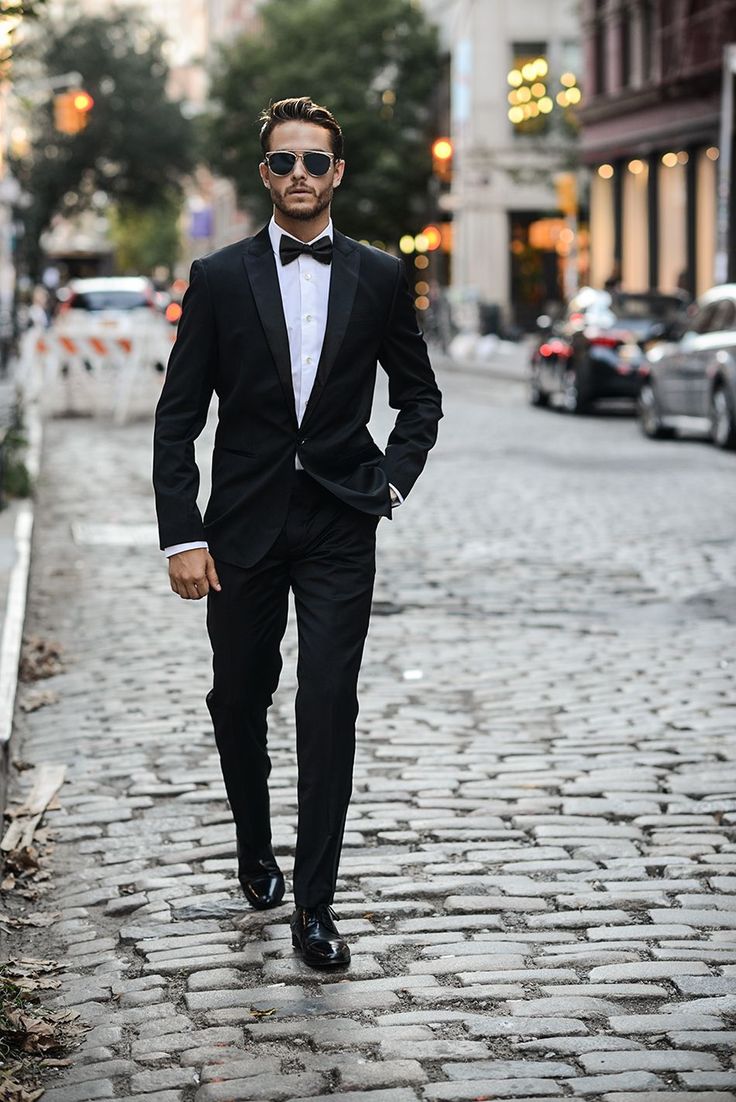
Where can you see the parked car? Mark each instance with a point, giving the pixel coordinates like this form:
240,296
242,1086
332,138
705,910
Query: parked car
110,313
597,349
691,382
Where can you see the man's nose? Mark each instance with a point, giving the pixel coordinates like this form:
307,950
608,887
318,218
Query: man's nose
298,171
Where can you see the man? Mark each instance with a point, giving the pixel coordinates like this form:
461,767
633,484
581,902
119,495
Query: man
287,327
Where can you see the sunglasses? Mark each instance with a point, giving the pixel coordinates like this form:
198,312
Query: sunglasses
281,161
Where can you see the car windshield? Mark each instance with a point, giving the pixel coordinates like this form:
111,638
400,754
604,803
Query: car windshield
109,300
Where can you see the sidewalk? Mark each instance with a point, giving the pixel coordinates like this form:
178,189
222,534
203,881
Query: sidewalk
508,361
538,881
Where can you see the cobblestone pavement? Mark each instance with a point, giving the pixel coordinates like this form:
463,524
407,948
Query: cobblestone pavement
539,873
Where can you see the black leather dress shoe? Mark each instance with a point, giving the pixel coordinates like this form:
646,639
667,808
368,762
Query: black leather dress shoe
262,881
314,934
265,889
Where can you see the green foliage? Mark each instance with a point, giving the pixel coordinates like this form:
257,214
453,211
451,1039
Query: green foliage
11,13
11,9
145,238
375,66
137,144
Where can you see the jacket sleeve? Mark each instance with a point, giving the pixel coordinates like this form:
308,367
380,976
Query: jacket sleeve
181,414
412,390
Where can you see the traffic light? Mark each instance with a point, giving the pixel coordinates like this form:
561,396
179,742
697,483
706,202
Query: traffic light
71,110
442,159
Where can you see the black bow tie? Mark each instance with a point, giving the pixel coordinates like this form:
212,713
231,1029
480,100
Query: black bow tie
290,249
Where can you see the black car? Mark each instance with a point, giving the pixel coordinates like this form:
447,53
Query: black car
691,385
597,349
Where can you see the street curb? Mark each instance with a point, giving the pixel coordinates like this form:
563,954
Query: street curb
15,613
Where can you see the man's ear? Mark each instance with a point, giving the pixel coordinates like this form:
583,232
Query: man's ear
264,175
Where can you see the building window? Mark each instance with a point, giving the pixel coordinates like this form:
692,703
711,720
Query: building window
530,103
647,42
625,34
599,48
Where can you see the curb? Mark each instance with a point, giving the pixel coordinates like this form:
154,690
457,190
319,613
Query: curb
12,637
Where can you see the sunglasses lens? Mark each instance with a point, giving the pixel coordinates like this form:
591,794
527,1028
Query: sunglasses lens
317,164
281,164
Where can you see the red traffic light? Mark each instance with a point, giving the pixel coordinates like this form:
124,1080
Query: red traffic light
442,149
83,101
442,159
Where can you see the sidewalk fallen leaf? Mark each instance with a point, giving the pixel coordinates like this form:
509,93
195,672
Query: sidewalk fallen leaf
38,698
41,658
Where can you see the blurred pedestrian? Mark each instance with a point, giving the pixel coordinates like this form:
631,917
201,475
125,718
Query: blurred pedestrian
614,282
38,310
287,327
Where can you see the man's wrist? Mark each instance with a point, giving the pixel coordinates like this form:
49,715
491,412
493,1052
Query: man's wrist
396,498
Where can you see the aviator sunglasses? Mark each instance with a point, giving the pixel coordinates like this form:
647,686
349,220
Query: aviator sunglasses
281,161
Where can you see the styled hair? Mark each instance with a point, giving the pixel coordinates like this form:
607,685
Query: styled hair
303,109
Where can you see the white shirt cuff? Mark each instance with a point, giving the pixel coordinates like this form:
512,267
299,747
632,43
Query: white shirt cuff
395,504
177,547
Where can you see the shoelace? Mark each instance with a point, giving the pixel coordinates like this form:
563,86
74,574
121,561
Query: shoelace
324,911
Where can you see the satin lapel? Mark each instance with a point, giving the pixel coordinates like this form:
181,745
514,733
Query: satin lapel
260,267
343,285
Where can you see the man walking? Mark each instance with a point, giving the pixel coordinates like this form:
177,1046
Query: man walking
286,327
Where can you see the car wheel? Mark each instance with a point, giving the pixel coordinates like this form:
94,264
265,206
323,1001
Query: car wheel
722,419
650,418
575,398
537,396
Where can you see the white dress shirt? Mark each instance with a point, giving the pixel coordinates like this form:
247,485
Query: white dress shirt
305,288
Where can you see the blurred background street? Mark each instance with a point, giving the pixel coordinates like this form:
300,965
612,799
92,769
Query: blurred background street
539,873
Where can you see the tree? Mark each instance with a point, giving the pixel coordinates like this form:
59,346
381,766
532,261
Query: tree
375,65
12,14
144,239
137,145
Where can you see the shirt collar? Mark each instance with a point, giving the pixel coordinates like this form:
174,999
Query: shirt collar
275,232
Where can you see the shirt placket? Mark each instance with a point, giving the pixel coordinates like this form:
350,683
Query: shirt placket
306,323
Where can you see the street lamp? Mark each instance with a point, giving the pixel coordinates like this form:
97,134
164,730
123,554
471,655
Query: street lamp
720,273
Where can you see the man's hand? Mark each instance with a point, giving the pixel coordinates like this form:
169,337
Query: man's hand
192,573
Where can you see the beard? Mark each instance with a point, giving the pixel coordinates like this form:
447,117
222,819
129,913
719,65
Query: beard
299,212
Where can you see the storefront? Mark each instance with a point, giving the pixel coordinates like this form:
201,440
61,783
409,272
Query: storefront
650,139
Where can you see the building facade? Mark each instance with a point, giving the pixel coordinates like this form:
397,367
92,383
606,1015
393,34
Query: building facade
512,137
650,136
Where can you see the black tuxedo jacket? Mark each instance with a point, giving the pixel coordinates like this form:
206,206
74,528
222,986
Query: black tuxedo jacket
232,339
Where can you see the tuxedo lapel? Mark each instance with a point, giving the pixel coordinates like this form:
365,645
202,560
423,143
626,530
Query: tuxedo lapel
343,285
260,267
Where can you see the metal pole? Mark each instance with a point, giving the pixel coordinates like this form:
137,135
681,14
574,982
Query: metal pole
720,273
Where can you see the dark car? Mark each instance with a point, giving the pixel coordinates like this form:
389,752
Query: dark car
597,349
691,383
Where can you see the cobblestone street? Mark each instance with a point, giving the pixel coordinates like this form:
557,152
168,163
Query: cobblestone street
538,881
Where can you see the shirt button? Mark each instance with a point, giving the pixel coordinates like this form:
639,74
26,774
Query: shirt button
309,359
307,317
307,275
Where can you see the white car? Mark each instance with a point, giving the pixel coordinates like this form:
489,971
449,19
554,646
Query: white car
113,319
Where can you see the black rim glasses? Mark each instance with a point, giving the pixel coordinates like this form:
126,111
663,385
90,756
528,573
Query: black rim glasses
281,161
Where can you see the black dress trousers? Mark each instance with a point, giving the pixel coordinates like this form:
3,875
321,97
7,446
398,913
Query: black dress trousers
325,553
